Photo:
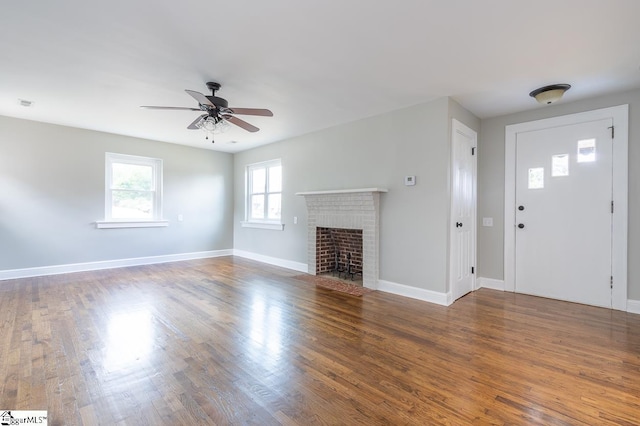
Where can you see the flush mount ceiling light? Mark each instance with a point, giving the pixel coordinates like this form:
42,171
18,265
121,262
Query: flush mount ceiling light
25,103
550,94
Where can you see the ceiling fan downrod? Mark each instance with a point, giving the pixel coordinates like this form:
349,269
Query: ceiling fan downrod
214,87
218,102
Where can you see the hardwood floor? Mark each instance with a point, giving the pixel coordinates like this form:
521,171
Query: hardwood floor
231,341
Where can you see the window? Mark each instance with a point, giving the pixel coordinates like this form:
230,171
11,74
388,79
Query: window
560,165
587,151
133,193
264,195
536,178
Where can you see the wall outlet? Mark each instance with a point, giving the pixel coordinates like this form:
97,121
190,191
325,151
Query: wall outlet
409,180
295,220
487,221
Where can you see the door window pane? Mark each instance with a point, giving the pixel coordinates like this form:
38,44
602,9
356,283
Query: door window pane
587,151
560,165
536,178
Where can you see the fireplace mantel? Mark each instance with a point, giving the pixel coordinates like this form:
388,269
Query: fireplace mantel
341,191
346,209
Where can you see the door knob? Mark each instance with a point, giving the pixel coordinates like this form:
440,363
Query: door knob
520,208
521,225
458,224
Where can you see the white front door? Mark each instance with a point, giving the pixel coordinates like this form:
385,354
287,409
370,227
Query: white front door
463,210
563,213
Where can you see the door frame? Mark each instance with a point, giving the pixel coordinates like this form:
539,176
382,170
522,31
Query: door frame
620,116
459,127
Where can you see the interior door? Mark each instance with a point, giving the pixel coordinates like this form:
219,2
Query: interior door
564,212
463,208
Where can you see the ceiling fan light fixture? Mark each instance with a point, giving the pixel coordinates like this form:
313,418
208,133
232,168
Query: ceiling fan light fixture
213,125
549,94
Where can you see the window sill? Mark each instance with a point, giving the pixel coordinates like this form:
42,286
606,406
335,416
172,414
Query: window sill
263,225
105,224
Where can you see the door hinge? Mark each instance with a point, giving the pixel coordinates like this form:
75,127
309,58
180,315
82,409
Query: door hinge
473,150
611,282
473,270
612,206
613,131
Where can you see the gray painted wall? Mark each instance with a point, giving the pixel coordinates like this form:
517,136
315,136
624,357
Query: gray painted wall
52,190
491,180
374,152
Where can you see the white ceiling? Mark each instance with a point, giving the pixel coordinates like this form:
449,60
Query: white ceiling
315,64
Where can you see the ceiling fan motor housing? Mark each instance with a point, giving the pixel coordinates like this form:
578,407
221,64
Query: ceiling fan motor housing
218,102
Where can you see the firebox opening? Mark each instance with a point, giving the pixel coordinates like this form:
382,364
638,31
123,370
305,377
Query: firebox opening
339,254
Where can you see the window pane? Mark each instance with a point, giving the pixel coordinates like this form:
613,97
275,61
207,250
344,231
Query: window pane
536,178
132,176
275,179
560,165
587,151
274,206
257,206
258,180
131,204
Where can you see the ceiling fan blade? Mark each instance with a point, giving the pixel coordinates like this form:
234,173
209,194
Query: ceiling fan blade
193,126
172,108
202,99
241,123
252,111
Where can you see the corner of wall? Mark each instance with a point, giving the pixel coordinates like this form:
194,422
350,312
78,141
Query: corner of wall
490,283
438,298
633,306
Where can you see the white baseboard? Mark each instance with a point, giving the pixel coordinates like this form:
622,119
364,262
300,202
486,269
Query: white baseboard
283,263
491,283
108,264
415,293
633,306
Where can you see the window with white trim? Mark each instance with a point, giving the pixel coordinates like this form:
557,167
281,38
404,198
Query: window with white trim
133,191
264,194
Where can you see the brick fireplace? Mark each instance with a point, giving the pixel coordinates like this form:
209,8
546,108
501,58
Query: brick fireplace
351,209
339,251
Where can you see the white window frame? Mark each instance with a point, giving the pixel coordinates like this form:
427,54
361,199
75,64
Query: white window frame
274,224
156,166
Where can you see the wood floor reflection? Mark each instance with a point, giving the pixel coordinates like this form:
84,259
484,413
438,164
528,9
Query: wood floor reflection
231,341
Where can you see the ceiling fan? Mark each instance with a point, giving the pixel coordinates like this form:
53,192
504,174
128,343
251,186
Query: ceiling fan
217,112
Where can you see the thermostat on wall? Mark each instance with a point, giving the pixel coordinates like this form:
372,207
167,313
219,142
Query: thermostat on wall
409,180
